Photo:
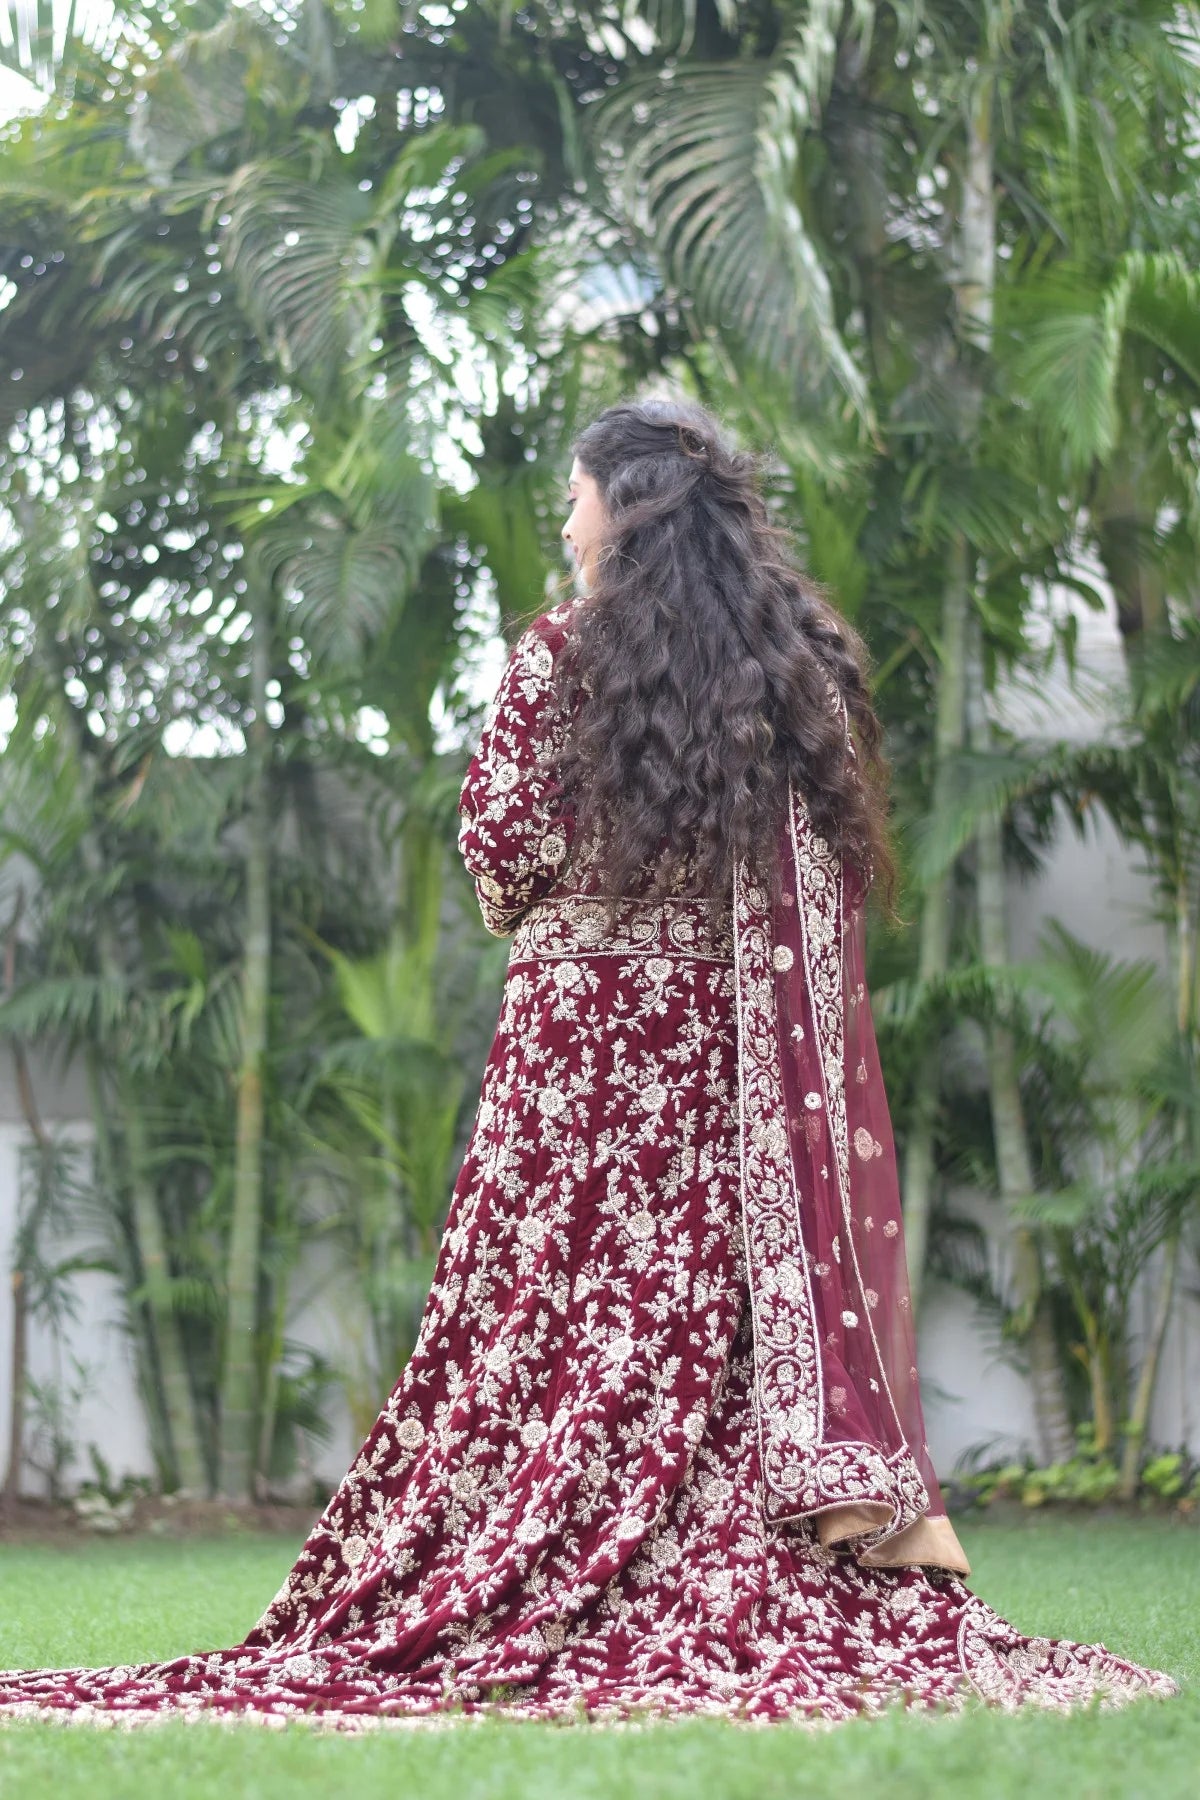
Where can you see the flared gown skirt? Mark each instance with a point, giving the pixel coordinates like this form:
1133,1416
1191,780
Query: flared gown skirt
559,1511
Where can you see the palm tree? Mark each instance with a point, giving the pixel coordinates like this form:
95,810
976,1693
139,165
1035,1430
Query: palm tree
240,249
53,820
310,272
1131,1093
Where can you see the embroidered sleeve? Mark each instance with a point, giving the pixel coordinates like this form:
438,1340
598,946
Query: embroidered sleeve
513,848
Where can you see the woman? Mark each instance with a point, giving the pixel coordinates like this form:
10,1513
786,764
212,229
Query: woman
659,1446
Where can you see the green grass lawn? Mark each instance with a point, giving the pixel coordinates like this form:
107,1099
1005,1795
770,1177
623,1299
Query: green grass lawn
1132,1585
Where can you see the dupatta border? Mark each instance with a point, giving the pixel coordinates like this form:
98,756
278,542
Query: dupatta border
820,909
803,1473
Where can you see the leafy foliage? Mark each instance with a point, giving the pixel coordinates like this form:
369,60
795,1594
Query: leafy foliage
302,303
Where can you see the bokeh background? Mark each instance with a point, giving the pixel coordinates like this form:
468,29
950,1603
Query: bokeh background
300,307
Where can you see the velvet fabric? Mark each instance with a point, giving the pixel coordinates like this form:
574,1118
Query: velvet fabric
837,1391
659,1447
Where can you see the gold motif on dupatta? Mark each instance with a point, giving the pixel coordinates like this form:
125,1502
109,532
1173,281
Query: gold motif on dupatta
805,1474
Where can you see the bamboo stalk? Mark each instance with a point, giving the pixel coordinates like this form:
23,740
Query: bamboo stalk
20,1314
1014,1169
972,279
239,1381
156,1276
146,1351
149,1235
1143,1400
1139,1415
936,919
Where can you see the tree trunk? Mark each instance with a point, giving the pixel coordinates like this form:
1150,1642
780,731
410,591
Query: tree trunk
1186,1026
284,1262
934,950
141,1319
155,1261
972,270
1125,511
1056,1440
1101,1387
975,297
20,1314
156,1276
269,1408
239,1381
16,1422
1143,1399
178,1397
153,1267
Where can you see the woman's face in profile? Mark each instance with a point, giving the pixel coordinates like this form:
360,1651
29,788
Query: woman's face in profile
584,530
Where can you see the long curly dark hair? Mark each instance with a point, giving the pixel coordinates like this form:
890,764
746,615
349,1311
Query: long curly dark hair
698,666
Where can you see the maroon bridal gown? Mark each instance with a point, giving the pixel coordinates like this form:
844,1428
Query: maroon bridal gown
659,1447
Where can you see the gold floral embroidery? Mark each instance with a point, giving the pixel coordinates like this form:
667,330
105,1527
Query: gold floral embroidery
614,1369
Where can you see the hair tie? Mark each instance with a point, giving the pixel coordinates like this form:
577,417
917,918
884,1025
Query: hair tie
693,445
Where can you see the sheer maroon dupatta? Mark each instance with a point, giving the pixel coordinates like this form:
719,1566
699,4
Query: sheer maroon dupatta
840,1424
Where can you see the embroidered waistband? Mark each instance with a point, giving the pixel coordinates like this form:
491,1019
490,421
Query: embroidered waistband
576,925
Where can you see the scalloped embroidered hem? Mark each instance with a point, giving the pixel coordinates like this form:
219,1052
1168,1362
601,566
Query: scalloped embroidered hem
1130,1685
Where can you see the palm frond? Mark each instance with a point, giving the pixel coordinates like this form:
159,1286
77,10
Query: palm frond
296,250
199,92
345,561
672,23
188,1296
1067,1208
1067,337
706,160
1161,304
983,785
1128,777
1067,366
78,1004
41,41
1118,1009
310,251
371,22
